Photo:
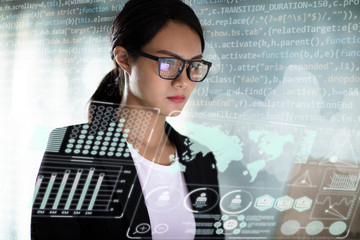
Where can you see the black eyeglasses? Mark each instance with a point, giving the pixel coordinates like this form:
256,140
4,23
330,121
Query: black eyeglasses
171,68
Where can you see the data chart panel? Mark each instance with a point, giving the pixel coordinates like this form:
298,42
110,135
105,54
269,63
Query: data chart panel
87,169
281,181
82,187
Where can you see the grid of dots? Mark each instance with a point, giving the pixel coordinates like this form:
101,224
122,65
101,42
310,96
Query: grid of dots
102,137
139,122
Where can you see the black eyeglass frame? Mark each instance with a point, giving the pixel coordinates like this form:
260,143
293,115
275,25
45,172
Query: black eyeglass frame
184,62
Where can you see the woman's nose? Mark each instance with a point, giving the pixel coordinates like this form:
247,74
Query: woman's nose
182,80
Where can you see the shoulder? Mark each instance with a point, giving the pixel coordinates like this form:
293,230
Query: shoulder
64,129
60,135
190,150
89,140
186,143
198,161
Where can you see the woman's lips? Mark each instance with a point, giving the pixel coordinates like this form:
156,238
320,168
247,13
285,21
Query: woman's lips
177,99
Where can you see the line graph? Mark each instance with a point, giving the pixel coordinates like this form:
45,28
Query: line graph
333,207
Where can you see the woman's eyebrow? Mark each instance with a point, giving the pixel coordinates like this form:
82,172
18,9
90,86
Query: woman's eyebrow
176,55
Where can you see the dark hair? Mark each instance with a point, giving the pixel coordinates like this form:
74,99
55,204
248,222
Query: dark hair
137,23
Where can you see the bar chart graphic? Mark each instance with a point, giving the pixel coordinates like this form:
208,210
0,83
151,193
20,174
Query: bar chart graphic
87,169
80,188
341,180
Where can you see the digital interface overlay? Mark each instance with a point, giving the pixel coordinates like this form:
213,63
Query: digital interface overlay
280,181
87,169
253,46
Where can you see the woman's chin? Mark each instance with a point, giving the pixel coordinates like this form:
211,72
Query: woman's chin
170,111
174,113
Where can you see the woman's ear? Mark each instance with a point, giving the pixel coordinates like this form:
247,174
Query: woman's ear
121,57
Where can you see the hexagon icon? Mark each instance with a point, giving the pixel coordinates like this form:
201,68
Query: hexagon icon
264,202
302,204
284,203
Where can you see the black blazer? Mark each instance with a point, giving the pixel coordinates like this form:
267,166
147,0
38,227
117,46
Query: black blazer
200,176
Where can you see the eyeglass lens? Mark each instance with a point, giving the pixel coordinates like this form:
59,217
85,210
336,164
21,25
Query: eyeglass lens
198,71
170,69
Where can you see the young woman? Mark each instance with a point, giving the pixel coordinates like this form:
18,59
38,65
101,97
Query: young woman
170,190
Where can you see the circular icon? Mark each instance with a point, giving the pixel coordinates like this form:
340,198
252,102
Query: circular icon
236,202
337,228
161,228
142,228
230,224
200,200
290,227
162,199
314,227
220,231
217,224
243,224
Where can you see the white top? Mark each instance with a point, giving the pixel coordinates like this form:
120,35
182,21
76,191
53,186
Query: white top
164,190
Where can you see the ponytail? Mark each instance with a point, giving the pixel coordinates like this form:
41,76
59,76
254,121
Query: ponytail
110,89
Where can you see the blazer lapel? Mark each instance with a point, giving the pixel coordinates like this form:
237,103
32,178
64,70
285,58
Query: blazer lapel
200,174
185,156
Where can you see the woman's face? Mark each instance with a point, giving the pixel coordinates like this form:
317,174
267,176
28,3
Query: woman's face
145,87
